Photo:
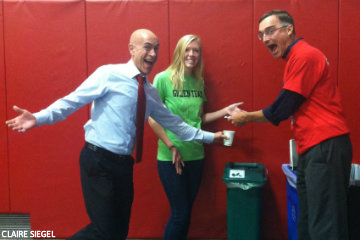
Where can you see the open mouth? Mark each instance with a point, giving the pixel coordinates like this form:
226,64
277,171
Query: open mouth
272,47
148,61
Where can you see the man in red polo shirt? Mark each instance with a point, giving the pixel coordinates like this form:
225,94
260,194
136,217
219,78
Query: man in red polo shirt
310,97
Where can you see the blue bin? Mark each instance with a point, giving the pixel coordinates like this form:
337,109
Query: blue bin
292,201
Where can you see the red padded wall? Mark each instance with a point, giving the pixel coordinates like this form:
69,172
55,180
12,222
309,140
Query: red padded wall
349,63
4,163
110,24
47,48
46,59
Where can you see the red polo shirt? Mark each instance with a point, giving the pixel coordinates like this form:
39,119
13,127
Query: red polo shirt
320,117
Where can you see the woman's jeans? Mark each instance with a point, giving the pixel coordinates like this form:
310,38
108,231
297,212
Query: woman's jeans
181,191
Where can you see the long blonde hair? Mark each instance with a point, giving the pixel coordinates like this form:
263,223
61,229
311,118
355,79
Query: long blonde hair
177,66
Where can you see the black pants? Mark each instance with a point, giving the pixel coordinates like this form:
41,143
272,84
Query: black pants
107,184
322,183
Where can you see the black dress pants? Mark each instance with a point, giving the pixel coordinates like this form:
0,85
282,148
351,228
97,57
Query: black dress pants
322,183
107,184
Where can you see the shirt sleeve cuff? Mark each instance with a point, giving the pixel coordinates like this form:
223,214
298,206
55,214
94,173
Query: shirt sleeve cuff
41,118
268,115
208,137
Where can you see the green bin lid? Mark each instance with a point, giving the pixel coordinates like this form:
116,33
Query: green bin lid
245,172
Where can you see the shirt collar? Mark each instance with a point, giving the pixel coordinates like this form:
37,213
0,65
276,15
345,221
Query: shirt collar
132,71
290,47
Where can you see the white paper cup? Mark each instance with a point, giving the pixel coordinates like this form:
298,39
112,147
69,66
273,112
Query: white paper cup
230,135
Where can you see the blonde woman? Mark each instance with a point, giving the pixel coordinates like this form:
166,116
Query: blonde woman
180,164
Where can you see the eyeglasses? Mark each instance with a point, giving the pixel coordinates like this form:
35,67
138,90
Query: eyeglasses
269,32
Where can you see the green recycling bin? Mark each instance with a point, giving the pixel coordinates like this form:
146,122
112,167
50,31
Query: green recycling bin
244,182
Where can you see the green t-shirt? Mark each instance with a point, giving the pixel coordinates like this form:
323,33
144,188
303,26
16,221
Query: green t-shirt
187,104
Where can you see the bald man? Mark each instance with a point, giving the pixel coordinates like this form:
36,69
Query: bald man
106,163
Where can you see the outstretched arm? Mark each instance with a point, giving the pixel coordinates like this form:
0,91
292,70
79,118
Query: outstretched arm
242,117
23,122
286,104
229,110
161,134
176,125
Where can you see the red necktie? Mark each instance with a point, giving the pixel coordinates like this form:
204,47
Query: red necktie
140,117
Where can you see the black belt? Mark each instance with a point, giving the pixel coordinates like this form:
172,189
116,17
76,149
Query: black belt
104,151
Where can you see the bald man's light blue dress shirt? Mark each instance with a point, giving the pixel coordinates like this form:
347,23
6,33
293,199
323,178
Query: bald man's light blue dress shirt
112,89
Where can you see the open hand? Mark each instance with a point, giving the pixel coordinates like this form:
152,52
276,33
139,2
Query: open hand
233,108
23,122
